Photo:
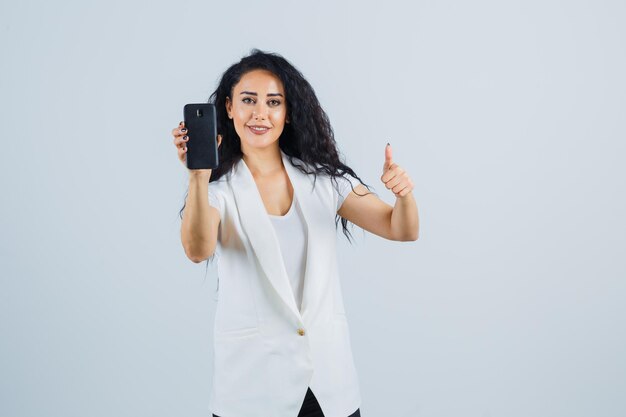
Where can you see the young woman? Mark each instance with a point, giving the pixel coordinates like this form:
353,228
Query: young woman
269,213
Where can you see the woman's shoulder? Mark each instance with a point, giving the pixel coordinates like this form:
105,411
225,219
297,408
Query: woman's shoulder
312,168
316,169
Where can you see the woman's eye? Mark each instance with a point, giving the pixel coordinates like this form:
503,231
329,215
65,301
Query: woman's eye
274,102
247,100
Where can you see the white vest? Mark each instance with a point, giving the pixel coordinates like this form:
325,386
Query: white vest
267,352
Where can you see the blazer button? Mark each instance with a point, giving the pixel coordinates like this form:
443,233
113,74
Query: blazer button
301,332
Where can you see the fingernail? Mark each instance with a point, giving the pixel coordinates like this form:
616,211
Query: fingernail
387,143
180,124
183,130
185,137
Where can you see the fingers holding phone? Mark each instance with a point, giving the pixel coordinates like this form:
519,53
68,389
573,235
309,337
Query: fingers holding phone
180,141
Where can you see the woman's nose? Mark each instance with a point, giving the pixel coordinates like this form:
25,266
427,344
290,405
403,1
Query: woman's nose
260,111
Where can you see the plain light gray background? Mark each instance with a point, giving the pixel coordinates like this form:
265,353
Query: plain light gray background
509,117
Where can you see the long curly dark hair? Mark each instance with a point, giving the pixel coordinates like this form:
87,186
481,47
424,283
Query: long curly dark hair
308,136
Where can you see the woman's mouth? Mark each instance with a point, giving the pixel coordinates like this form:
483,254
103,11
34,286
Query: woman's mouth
258,130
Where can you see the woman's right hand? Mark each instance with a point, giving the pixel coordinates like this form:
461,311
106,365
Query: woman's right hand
180,141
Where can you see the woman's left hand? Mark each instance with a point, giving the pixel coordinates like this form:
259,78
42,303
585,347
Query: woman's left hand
394,177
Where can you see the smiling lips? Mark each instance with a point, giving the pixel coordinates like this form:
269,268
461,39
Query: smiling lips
258,130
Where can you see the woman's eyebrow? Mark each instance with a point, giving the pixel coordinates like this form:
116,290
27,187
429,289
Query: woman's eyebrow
252,93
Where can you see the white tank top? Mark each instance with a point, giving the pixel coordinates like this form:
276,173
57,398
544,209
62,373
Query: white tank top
292,235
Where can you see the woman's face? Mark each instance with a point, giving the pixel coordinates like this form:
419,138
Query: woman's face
258,109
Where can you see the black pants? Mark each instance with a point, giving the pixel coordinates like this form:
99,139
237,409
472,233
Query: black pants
311,408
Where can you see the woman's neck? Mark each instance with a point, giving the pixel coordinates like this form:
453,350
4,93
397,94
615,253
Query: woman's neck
263,162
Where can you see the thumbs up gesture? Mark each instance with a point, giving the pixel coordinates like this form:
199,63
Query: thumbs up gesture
394,177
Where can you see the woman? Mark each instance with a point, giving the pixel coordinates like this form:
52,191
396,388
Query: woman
281,337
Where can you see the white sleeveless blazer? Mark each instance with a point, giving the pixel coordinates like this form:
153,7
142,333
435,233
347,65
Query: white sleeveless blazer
266,350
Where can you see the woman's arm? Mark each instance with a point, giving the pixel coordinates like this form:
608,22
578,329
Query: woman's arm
370,213
400,222
200,220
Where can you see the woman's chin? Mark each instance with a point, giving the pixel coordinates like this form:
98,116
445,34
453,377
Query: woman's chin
259,142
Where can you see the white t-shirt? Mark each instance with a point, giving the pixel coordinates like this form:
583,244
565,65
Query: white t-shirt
291,233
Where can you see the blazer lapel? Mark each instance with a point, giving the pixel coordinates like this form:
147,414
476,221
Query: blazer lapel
262,236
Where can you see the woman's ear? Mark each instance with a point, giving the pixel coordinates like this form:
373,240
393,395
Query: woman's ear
228,107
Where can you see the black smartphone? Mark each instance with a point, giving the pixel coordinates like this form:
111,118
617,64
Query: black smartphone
201,123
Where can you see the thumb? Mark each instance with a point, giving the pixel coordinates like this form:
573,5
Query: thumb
388,161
